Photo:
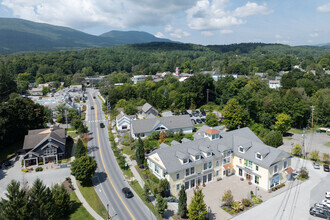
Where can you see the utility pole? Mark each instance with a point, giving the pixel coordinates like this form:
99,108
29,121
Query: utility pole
313,107
207,96
66,119
108,108
303,143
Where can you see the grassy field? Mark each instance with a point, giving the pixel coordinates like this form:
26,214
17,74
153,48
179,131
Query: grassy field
301,131
73,134
10,150
138,190
79,212
127,150
93,199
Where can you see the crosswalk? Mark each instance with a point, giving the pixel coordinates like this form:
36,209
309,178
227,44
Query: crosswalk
97,121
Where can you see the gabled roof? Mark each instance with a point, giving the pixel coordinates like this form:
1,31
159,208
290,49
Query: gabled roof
212,131
173,122
146,107
174,142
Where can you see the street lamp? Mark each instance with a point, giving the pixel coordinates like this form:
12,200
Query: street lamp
108,211
257,189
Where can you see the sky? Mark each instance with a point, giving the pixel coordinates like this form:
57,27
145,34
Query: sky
292,22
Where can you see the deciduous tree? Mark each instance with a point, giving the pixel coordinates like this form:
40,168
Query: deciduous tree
283,123
234,114
314,155
296,150
84,168
274,139
211,120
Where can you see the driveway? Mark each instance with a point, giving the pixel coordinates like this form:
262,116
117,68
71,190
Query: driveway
294,203
319,142
49,177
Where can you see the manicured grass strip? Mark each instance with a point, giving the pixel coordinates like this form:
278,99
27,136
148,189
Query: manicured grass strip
288,138
93,199
79,211
138,190
72,133
127,150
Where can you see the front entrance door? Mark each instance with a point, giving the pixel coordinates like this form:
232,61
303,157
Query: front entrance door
199,181
228,172
248,177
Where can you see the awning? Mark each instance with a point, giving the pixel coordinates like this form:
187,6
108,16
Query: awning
289,170
228,166
248,171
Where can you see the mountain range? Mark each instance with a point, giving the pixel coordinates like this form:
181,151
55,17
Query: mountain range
18,35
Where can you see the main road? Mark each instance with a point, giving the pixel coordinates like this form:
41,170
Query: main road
109,179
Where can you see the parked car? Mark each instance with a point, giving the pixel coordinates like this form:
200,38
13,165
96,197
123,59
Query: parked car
319,213
7,163
326,168
327,195
102,125
199,121
326,202
203,113
193,121
322,206
190,115
93,97
316,165
127,192
92,107
203,120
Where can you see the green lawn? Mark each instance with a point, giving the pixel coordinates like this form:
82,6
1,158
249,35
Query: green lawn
79,211
139,191
301,131
10,150
72,133
93,199
198,125
127,150
328,144
288,138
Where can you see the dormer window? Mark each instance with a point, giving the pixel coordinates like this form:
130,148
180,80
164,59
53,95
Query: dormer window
208,154
259,157
197,157
185,160
241,149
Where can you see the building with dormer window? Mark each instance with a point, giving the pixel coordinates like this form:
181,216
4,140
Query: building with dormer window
214,154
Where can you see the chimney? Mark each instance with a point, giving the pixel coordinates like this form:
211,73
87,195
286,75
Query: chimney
52,128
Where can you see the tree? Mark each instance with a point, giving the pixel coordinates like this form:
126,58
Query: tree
228,198
178,136
296,150
314,155
197,207
130,109
303,173
7,84
283,123
325,158
84,168
45,90
146,192
161,204
182,202
274,139
41,204
80,150
162,137
163,187
140,153
212,120
61,199
15,206
234,114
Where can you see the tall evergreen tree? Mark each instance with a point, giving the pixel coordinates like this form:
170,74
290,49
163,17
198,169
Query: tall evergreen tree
161,204
41,204
183,202
15,206
80,150
62,202
139,153
197,207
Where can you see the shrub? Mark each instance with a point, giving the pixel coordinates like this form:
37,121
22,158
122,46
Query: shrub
39,169
24,170
255,199
154,135
237,206
225,208
246,202
303,174
40,163
232,212
228,198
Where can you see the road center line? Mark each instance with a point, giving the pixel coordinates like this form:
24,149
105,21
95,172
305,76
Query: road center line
98,139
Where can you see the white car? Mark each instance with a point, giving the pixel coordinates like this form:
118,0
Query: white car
326,202
327,195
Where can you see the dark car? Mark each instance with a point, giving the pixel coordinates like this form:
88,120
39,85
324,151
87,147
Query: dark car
92,107
326,168
203,120
127,192
7,163
199,121
93,97
102,125
319,213
203,113
193,121
190,115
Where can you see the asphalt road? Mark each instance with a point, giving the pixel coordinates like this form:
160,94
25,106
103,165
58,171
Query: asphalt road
109,179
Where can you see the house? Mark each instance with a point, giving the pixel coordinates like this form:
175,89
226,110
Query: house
36,91
144,127
214,154
44,145
147,109
262,75
123,121
274,84
76,88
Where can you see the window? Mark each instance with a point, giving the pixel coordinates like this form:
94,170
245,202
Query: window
197,157
217,173
259,156
204,179
227,156
177,187
187,172
257,168
241,149
240,161
192,170
256,179
275,169
285,164
216,163
210,165
186,185
177,176
248,164
240,172
205,166
208,154
185,160
209,177
164,173
192,183
150,164
157,169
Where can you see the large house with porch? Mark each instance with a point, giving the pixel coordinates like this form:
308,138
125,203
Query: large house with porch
214,154
44,145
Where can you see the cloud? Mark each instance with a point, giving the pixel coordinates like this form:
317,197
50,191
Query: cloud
89,13
251,8
324,8
176,33
277,36
313,34
226,31
159,35
207,33
213,15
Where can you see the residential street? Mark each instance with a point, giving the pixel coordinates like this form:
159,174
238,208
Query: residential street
109,179
294,203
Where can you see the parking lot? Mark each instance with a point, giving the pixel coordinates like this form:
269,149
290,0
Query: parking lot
48,176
